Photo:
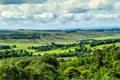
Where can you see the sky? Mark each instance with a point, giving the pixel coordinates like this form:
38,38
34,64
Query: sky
59,14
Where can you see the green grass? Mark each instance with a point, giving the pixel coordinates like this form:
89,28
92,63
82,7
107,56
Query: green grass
59,37
108,37
101,46
26,45
20,45
58,51
25,58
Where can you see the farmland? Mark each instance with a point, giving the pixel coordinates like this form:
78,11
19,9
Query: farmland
60,55
46,37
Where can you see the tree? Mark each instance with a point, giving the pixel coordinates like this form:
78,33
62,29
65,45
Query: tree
49,60
72,72
9,71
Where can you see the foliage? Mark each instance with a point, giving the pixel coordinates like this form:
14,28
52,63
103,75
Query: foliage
89,63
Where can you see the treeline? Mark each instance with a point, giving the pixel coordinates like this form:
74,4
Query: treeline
93,42
104,30
101,42
19,35
101,64
4,47
79,51
14,53
52,46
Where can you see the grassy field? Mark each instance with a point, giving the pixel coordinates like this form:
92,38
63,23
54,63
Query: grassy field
101,46
108,37
20,45
58,51
59,37
46,37
26,45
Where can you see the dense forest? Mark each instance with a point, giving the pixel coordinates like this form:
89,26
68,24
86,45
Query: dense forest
100,64
89,64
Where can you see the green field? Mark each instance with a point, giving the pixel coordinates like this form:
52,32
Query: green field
26,45
59,37
59,50
101,46
20,45
108,37
46,37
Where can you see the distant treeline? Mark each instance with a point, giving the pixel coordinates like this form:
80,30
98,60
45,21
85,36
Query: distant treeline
53,46
19,36
102,30
93,42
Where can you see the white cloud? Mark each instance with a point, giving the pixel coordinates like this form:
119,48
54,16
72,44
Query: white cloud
106,16
99,4
117,5
44,16
64,12
66,16
83,16
3,7
11,14
38,8
74,6
80,16
27,10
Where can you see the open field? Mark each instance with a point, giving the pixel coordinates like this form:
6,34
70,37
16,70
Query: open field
46,37
26,45
108,37
101,46
59,51
20,45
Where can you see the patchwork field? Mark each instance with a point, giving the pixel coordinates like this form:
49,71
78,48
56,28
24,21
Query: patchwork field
108,37
47,37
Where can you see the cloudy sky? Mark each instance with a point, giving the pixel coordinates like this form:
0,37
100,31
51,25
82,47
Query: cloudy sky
59,14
